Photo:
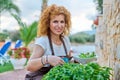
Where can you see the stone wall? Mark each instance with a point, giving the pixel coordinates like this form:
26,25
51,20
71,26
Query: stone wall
108,37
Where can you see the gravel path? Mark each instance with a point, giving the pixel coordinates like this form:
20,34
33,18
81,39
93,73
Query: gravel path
13,75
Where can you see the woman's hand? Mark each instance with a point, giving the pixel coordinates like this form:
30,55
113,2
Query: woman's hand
55,60
70,54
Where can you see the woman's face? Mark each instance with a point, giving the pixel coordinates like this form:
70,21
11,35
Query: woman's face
57,24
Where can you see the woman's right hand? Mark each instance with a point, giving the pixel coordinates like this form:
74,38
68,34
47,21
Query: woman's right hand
55,60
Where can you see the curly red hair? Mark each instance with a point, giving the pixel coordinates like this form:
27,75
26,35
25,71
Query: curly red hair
49,13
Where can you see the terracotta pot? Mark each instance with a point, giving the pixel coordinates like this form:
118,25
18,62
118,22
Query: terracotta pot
96,21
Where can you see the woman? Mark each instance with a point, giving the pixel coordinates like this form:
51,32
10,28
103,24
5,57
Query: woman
52,47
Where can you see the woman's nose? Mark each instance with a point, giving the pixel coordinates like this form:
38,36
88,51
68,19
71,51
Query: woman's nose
60,25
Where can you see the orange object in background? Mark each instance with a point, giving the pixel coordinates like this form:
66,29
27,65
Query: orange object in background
1,44
96,21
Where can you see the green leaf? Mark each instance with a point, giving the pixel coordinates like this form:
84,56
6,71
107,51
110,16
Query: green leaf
27,33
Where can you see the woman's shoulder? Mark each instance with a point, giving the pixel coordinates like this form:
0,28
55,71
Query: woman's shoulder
66,38
42,38
42,41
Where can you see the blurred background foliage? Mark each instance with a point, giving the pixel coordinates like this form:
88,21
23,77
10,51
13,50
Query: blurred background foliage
82,37
99,6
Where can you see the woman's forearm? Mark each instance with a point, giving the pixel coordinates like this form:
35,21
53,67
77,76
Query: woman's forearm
34,64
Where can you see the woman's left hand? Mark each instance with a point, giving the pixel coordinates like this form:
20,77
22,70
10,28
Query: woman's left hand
70,53
55,60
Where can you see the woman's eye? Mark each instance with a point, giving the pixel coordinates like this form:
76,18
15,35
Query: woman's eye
58,21
55,21
62,21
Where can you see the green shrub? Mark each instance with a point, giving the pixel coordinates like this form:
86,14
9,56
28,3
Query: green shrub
91,38
82,37
3,36
6,67
14,35
74,71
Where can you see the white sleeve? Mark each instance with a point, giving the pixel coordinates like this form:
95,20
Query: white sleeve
42,42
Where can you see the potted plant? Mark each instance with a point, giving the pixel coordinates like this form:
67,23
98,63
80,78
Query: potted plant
19,56
85,57
96,21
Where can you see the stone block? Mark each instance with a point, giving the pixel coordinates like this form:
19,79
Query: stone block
112,22
105,10
119,6
113,6
116,12
111,61
100,19
118,18
117,71
118,51
118,29
116,4
114,31
108,30
110,12
106,2
117,23
118,1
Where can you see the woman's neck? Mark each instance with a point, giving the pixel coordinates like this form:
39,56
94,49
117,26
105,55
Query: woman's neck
56,39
